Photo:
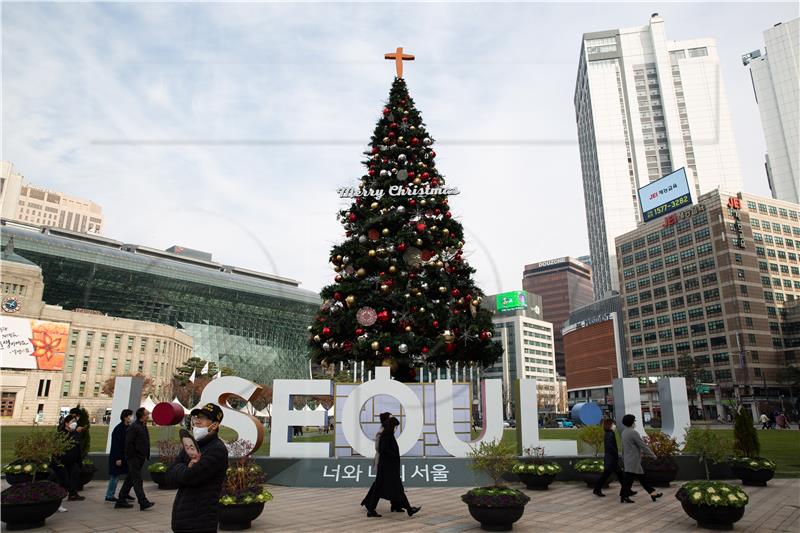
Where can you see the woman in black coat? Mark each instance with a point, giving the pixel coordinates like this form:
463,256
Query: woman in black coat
67,467
610,460
388,484
117,464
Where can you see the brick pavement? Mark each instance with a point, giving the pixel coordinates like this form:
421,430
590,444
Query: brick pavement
565,507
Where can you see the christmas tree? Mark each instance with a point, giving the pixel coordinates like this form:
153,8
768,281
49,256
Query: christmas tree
403,295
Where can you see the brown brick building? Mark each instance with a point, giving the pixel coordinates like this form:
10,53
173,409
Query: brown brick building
564,284
711,282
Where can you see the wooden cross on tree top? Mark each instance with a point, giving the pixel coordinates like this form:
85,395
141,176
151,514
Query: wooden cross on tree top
399,57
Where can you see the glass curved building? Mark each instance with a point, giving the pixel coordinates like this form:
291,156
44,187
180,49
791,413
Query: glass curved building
252,322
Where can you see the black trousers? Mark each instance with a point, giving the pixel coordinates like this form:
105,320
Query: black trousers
628,483
69,477
134,479
607,472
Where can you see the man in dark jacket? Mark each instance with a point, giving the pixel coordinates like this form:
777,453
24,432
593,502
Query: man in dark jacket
199,476
137,451
117,464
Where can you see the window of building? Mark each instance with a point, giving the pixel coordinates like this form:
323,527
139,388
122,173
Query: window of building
81,388
44,388
85,364
7,401
130,344
89,338
117,340
96,389
65,388
100,363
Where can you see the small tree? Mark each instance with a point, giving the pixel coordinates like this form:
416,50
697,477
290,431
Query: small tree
492,458
40,445
708,445
745,436
147,385
593,436
664,447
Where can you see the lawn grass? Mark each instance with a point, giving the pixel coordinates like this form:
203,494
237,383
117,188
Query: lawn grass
783,447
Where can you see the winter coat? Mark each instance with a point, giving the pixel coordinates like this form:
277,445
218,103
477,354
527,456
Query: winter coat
387,482
73,453
610,451
632,449
137,443
117,452
199,487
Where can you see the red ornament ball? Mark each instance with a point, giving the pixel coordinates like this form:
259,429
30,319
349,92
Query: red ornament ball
435,323
425,349
337,295
449,347
359,331
448,214
387,350
412,202
414,141
456,293
386,111
421,227
383,316
484,335
374,149
326,331
352,217
401,247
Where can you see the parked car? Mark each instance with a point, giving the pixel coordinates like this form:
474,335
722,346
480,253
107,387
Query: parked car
564,423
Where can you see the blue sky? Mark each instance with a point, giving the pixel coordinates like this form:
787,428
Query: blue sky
253,114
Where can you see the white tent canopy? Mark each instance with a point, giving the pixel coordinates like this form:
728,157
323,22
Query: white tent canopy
148,404
332,410
320,408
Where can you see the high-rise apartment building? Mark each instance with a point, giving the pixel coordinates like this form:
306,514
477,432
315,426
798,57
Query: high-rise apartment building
712,281
644,107
564,284
29,203
776,81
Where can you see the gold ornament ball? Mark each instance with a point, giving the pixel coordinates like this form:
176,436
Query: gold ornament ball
417,181
445,231
316,338
439,264
390,362
443,289
392,269
350,300
385,232
338,258
423,202
384,288
337,268
408,329
461,301
419,242
361,272
421,310
400,139
374,205
371,253
375,345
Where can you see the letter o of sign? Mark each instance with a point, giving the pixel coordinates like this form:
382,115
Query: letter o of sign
382,384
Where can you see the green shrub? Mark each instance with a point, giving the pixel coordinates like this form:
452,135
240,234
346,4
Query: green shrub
745,436
593,436
41,445
589,466
708,445
492,458
713,493
536,469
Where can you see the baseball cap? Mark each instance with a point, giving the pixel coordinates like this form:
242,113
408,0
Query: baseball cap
211,411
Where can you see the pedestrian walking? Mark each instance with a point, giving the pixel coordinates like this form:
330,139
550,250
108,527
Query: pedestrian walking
117,464
632,449
764,419
199,472
67,467
137,452
610,461
396,507
387,484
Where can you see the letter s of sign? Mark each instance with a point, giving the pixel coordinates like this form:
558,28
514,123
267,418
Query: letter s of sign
382,384
219,390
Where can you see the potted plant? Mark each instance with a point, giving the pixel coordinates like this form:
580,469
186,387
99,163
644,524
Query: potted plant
34,453
168,450
593,436
537,474
28,505
708,445
713,504
589,470
663,469
747,465
496,507
243,493
88,470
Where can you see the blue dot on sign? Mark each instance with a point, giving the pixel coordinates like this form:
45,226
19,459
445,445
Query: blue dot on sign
587,413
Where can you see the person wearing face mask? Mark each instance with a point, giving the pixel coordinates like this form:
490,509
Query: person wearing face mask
117,465
137,452
610,460
632,449
199,473
67,467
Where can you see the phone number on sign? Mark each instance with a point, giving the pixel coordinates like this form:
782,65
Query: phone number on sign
668,207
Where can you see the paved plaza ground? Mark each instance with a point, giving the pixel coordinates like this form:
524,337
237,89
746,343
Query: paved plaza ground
565,507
